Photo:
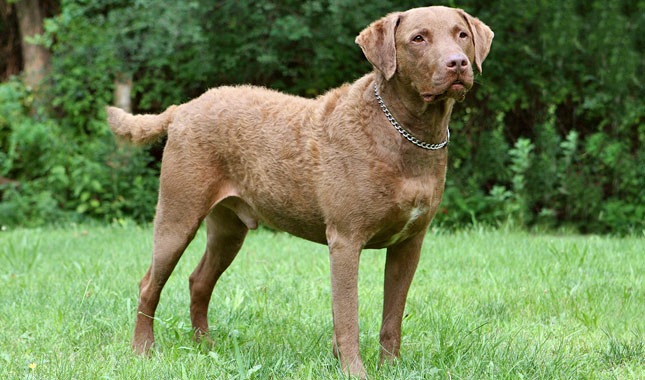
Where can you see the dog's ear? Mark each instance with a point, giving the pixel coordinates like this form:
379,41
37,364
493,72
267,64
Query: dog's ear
378,43
482,37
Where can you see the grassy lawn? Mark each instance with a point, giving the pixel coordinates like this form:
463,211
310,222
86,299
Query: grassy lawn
483,305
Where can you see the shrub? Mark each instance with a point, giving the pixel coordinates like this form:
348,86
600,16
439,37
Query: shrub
552,134
60,175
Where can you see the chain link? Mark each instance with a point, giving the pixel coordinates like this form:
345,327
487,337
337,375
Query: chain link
403,132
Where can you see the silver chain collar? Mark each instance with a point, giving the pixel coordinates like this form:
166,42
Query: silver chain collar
402,131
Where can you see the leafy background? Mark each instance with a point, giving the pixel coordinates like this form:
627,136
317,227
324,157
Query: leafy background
551,136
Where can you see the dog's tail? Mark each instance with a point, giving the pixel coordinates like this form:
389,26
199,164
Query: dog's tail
139,129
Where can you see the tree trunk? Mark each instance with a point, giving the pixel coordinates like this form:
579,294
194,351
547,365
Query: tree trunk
34,57
10,56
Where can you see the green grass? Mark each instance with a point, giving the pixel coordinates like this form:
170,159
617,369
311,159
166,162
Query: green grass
483,305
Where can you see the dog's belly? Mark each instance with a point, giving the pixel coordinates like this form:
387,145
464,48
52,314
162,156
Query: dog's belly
295,210
307,230
304,224
314,229
309,224
299,219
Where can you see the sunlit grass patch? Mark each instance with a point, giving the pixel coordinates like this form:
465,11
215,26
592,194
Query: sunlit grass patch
484,305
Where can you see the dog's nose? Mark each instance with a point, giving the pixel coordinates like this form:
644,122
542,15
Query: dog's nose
457,63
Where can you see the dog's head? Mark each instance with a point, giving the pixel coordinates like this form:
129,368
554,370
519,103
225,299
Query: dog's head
429,49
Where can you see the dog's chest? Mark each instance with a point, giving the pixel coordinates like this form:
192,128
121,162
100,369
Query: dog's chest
414,206
415,218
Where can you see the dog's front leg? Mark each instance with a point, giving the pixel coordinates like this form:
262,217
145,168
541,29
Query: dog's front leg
344,255
400,265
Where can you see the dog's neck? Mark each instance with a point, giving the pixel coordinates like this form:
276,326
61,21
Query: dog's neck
426,121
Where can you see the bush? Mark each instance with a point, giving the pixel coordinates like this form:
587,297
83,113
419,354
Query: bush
59,175
552,134
560,76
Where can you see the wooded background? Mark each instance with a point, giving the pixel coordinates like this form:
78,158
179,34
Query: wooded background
551,135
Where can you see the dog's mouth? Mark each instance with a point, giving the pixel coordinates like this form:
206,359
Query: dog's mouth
456,89
429,98
457,85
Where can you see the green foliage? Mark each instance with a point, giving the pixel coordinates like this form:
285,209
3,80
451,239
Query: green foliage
552,134
561,79
60,174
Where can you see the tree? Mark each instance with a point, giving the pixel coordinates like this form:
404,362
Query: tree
10,56
35,58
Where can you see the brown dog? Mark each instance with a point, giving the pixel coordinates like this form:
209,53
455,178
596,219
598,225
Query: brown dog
334,170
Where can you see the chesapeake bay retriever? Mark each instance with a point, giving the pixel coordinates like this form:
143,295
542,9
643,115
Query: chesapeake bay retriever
362,166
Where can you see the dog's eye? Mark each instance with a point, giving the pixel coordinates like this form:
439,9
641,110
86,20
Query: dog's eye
463,35
418,38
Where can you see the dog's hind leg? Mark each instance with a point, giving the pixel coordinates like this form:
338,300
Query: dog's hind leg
226,233
185,197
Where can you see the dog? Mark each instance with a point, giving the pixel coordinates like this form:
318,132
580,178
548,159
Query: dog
362,166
